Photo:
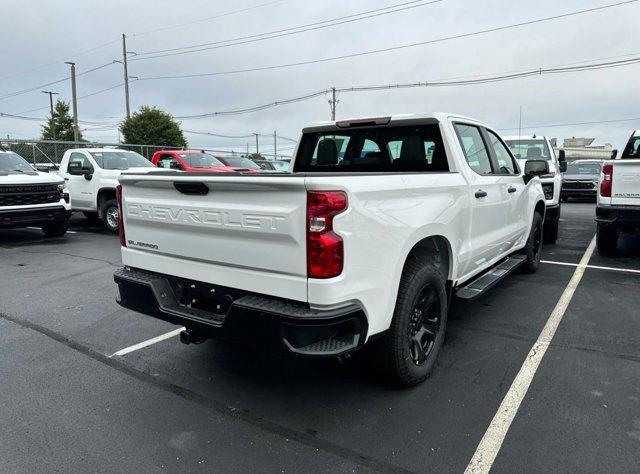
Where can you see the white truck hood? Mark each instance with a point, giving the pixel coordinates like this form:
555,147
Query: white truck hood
31,178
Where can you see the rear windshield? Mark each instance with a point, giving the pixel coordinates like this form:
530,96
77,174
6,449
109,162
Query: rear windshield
120,160
240,163
399,149
632,150
583,168
529,149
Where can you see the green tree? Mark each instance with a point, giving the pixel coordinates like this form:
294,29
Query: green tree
60,126
152,126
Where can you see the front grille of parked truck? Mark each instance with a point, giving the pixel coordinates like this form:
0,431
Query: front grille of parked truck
25,195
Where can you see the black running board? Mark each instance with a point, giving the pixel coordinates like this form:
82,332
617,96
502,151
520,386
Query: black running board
489,279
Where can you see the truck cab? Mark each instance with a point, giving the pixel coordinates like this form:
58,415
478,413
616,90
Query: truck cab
91,176
532,147
618,202
31,198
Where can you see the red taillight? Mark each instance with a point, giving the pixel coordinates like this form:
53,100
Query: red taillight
123,242
325,252
606,180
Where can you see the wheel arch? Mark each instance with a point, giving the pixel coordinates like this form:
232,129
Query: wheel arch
104,194
434,249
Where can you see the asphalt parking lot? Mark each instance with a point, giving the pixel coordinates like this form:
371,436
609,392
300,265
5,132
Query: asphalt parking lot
69,404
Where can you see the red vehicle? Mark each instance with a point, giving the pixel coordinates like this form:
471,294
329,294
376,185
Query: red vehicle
192,161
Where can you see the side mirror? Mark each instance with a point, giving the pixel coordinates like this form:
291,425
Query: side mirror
533,168
88,174
75,168
175,165
614,154
562,161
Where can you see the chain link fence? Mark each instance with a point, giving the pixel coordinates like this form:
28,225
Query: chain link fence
46,152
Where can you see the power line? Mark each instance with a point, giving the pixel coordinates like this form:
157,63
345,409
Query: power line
53,63
441,83
31,89
284,32
395,48
221,15
596,122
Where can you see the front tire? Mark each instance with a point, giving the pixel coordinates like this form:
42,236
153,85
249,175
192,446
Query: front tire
110,215
55,229
410,348
607,239
533,249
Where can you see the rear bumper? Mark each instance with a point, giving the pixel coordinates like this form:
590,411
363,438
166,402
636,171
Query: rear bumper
628,216
216,311
14,218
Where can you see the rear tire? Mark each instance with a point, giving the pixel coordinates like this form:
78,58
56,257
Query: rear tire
55,229
533,248
607,239
110,215
410,348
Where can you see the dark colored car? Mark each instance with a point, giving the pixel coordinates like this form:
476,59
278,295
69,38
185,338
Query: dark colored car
581,180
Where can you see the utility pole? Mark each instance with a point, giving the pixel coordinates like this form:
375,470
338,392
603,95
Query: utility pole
51,94
275,145
332,103
257,144
126,74
76,130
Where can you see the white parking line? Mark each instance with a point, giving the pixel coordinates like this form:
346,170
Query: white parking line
493,438
597,267
147,343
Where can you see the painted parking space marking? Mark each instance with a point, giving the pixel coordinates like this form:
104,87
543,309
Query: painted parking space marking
493,438
148,342
595,267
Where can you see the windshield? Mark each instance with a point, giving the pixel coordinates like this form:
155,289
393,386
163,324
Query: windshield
240,162
120,160
583,168
200,160
529,149
13,162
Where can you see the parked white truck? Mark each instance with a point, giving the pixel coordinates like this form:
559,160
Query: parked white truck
380,223
618,205
91,176
534,147
31,198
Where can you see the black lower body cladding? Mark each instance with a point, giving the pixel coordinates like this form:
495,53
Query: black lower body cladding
15,218
214,311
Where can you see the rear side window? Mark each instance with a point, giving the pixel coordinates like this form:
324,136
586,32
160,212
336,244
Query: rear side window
474,148
632,150
416,148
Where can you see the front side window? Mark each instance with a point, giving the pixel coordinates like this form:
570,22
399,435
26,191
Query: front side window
167,161
415,148
474,148
506,163
120,160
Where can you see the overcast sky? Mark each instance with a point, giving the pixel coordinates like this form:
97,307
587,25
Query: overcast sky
37,33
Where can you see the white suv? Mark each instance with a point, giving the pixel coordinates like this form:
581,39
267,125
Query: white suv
92,176
539,148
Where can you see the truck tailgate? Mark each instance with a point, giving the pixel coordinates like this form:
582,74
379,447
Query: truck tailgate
227,227
626,182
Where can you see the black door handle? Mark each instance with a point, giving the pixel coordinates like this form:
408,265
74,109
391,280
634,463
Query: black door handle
480,193
66,179
512,189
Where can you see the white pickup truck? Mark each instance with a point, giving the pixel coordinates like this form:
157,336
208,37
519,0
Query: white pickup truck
539,148
379,224
618,205
91,175
31,198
